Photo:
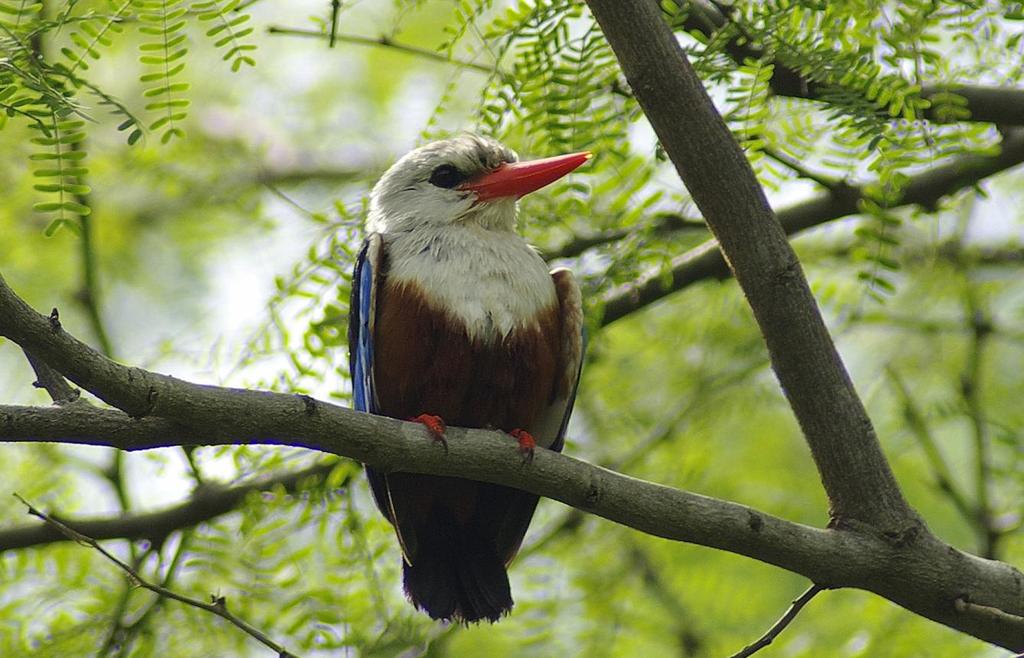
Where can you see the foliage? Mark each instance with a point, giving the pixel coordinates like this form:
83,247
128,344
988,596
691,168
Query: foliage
47,90
256,188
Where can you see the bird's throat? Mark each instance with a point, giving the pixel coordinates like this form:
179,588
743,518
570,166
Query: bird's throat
491,282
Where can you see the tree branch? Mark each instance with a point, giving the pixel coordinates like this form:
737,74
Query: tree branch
208,502
690,641
51,381
970,384
918,426
925,190
916,571
89,293
660,223
113,635
785,620
834,186
922,574
857,478
999,105
382,42
122,635
217,606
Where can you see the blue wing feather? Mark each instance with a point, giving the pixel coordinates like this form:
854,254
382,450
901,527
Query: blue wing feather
362,307
360,332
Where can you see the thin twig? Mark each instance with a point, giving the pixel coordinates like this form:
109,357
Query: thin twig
217,606
660,224
89,295
244,5
970,384
690,641
384,42
940,468
128,632
335,10
114,635
781,624
830,184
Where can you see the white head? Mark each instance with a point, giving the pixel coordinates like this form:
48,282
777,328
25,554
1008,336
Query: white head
423,188
464,179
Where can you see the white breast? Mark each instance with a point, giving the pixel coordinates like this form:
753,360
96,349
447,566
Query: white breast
490,280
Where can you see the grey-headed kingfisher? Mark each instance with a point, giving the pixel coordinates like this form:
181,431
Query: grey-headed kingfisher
456,320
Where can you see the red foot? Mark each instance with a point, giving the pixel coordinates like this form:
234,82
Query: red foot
436,427
526,443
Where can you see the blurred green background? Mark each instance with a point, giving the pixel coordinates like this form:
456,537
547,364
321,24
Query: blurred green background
222,256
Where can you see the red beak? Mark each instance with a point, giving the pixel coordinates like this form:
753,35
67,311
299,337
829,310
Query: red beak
518,179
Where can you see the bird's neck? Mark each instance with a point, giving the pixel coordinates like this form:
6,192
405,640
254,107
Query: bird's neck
492,282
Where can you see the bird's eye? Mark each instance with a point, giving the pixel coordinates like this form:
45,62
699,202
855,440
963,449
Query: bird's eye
446,176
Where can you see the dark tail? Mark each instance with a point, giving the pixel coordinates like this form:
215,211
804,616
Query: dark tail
457,574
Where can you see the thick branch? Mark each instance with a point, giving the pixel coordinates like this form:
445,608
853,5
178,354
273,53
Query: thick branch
925,190
918,571
855,473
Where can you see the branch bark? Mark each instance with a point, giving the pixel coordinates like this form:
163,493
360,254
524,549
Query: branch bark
50,380
925,190
920,573
855,473
1000,105
208,502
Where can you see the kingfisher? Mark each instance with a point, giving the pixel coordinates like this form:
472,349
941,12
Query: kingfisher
456,320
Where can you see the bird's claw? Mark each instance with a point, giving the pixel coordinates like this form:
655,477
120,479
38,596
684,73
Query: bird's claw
526,444
435,425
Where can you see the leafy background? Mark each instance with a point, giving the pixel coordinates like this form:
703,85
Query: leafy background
186,181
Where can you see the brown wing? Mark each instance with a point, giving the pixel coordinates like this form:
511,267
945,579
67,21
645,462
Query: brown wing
549,428
554,418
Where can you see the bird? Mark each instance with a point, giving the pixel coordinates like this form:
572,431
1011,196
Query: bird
456,320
